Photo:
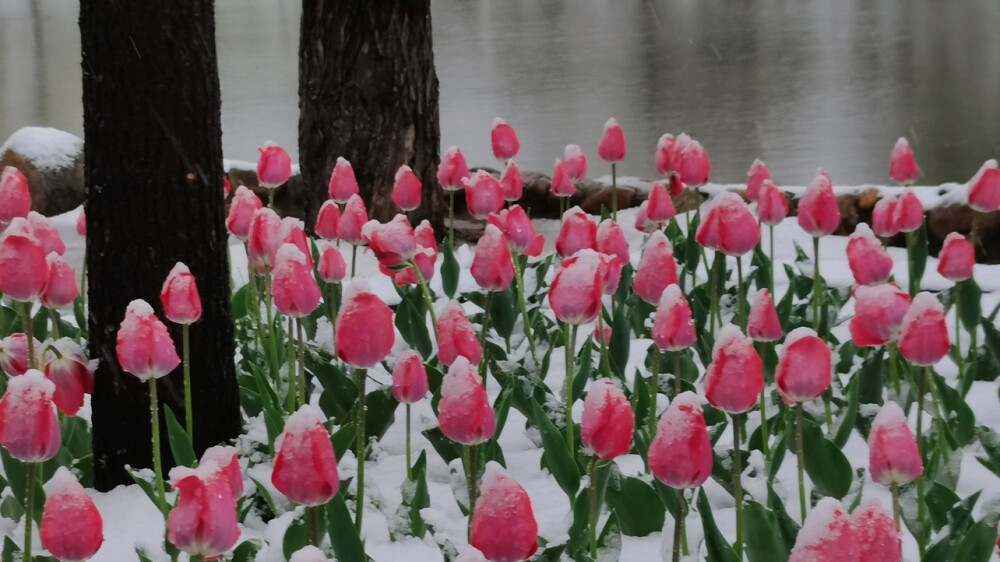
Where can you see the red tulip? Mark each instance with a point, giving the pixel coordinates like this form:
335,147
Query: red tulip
504,140
728,225
673,328
827,534
332,268
14,354
274,166
984,188
72,528
574,163
343,183
393,243
328,220
264,237
424,234
879,539
734,378
60,289
492,267
819,213
884,217
562,184
305,466
902,165
519,231
144,346
607,423
46,233
453,170
483,194
241,211
642,221
755,177
869,261
893,457
81,224
293,285
657,269
763,323
695,167
957,258
179,295
511,182
24,270
772,206
576,292
661,207
15,198
578,231
456,336
805,366
353,219
425,256
612,274
29,429
409,378
226,459
364,334
667,157
611,147
878,314
680,455
68,368
464,412
909,212
611,241
925,333
503,524
204,520
406,189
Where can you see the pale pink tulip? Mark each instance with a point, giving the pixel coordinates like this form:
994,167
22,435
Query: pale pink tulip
667,157
241,211
179,295
909,212
456,336
264,237
805,366
902,164
884,217
518,230
332,268
763,323
576,292
879,539
673,327
452,170
827,535
343,183
144,346
352,220
204,520
574,163
818,213
661,207
878,314
772,206
984,188
957,258
492,267
868,259
293,285
755,178
728,225
24,270
29,429
925,333
46,233
562,184
15,198
511,182
483,194
578,231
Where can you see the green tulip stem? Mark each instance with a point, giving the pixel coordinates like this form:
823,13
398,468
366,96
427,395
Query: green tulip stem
654,390
188,409
451,218
471,475
770,240
817,288
570,331
482,337
678,523
528,328
409,463
54,321
799,421
740,305
361,447
895,503
290,354
154,414
303,398
428,300
26,324
593,508
738,486
29,508
614,199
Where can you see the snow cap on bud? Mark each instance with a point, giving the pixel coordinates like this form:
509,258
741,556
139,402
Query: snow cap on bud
984,188
308,553
452,170
879,539
72,528
29,429
805,366
144,345
343,183
574,163
607,423
611,147
893,457
305,466
274,166
925,333
902,165
878,314
503,524
680,455
464,412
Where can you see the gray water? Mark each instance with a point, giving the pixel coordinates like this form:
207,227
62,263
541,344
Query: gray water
798,83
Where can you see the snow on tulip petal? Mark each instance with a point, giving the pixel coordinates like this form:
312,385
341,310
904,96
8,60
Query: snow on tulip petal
328,220
868,259
805,366
227,462
878,314
902,164
293,285
511,182
393,243
607,423
203,522
909,212
456,336
574,163
893,457
14,354
483,194
15,198
772,206
578,231
673,326
274,166
72,528
365,333
519,231
680,455
818,212
503,524
611,241
29,429
504,140
452,170
409,378
879,539
46,233
264,236
884,217
642,220
755,178
343,183
292,231
763,323
925,333
352,220
241,211
464,412
957,258
666,155
179,295
60,289
406,189
562,184
332,267
657,269
144,346
305,466
308,553
827,535
68,368
576,292
984,188
734,378
492,267
738,231
695,166
611,147
661,207
24,271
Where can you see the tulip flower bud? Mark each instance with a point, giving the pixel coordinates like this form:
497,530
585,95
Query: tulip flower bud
902,164
879,539
673,327
957,258
483,194
305,466
492,267
72,374
180,298
772,206
409,378
60,289
503,524
925,333
984,188
512,182
805,366
241,211
576,292
680,455
657,269
274,166
15,198
29,429
452,170
365,333
464,412
607,423
611,147
144,345
661,207
819,214
827,534
504,140
574,163
293,285
577,232
893,457
734,378
406,189
24,270
456,336
72,528
763,324
755,178
869,261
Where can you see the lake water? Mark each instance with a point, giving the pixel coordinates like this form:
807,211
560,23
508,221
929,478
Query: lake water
798,83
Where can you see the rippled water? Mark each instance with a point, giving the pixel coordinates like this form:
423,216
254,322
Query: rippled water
800,84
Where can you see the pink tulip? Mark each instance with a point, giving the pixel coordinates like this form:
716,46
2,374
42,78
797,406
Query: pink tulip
293,232
657,269
504,140
365,333
562,184
673,327
227,187
72,528
393,243
574,163
805,366
24,270
309,553
612,274
984,188
274,166
735,377
503,524
14,354
578,231
226,459
772,206
878,314
456,336
68,368
680,455
60,289
264,237
909,212
755,177
602,336
144,346
343,183
424,235
204,520
353,219
483,194
879,539
406,189
293,285
453,170
819,214
492,268
957,258
576,292
642,221
519,231
667,157
409,378
763,323
511,182
611,241
425,256
728,225
15,198
179,295
607,423
828,534
332,268
893,457
81,224
611,147
902,165
884,217
305,466
661,207
46,233
328,220
464,412
29,429
869,261
695,166
925,333
241,211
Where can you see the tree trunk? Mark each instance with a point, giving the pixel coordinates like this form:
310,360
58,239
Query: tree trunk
154,180
368,93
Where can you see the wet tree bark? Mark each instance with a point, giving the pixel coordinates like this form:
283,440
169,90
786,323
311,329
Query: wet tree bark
368,93
154,180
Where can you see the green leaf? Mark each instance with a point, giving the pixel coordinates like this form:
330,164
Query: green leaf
850,414
609,544
620,339
992,339
788,528
940,499
296,537
763,536
958,416
411,319
918,256
639,508
147,485
246,551
449,270
420,497
555,453
347,544
447,449
959,520
241,302
970,298
718,549
180,442
978,543
990,440
504,311
828,468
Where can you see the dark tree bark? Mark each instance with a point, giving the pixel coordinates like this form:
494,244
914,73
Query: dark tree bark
368,92
154,180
